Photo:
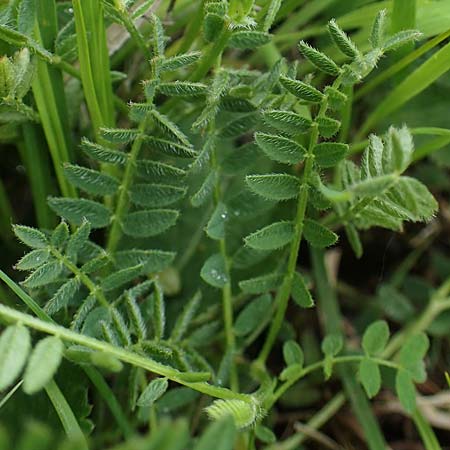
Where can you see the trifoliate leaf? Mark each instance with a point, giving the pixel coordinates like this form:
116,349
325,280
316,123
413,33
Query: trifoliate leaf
280,149
405,390
370,377
43,364
293,354
375,338
274,186
318,235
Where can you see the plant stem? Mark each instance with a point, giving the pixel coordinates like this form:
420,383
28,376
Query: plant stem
120,353
123,201
284,292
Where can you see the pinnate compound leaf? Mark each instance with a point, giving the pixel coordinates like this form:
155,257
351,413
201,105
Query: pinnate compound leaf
328,127
215,228
293,354
319,59
179,61
214,271
62,296
378,29
354,240
119,135
14,348
287,122
252,315
121,277
76,210
243,413
300,292
149,223
205,191
370,377
91,181
318,235
261,284
328,154
154,390
302,90
401,38
272,237
248,39
30,236
405,389
280,149
274,186
375,337
169,147
103,154
43,364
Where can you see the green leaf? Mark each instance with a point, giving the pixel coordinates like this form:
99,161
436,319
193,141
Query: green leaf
252,315
62,296
30,236
300,292
168,127
153,260
215,228
280,149
332,344
149,223
169,147
378,29
106,361
76,210
220,435
214,271
158,171
412,354
102,154
272,237
318,235
121,277
205,191
274,186
177,62
33,260
302,90
158,312
370,377
26,17
119,135
43,364
265,434
154,390
248,39
120,326
60,235
328,127
319,59
91,181
375,337
45,274
136,318
236,104
287,122
155,195
342,41
243,412
183,89
185,318
336,99
329,154
405,390
293,354
354,240
401,38
242,125
261,284
14,348
212,26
